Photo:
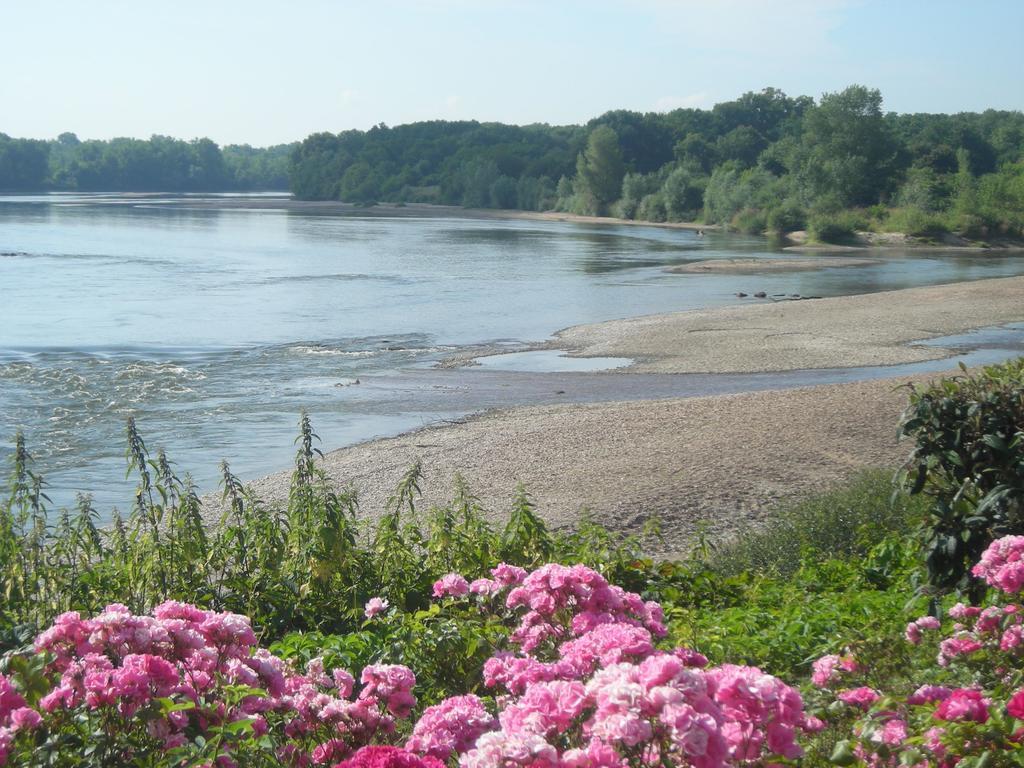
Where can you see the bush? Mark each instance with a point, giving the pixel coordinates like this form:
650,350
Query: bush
787,217
968,457
916,222
749,221
839,228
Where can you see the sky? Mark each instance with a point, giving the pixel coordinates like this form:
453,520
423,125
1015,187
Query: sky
263,73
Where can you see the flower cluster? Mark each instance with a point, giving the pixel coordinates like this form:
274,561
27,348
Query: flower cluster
584,685
982,648
1001,564
15,717
121,669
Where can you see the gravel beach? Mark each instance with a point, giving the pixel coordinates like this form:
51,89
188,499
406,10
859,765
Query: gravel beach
718,462
850,331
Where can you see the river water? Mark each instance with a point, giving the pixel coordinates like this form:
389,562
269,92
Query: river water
215,327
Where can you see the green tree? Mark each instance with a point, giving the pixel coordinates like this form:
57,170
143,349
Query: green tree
599,171
847,149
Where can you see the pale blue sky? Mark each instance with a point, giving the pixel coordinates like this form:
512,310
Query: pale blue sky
267,72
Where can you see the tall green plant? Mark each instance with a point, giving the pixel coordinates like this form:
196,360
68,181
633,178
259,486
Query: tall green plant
968,455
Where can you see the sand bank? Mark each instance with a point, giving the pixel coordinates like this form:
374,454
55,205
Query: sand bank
753,266
852,331
719,462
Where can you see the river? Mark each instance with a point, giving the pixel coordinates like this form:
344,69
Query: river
215,327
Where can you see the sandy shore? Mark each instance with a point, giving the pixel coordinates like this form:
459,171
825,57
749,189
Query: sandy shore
719,462
851,331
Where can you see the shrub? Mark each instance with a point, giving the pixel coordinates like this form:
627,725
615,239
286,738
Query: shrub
968,456
749,221
847,521
836,228
579,677
787,217
916,222
963,705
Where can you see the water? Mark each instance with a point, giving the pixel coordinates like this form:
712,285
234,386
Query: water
215,327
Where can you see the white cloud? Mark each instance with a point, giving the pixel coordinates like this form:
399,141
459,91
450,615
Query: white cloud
451,102
347,96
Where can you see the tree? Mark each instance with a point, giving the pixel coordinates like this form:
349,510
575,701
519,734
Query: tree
599,170
847,149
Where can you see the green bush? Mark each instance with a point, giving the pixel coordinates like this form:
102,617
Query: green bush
839,227
787,217
749,221
968,456
915,221
308,565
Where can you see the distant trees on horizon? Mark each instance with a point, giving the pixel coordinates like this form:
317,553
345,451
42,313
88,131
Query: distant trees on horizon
762,161
160,164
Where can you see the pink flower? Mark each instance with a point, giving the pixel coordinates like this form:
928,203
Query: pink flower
1015,706
914,628
374,606
451,727
25,719
927,694
964,704
862,697
451,585
825,670
388,757
1001,565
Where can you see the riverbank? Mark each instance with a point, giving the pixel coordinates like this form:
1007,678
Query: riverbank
796,241
747,266
846,331
715,464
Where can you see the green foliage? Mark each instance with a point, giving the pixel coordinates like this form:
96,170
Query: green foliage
749,221
161,163
915,221
308,565
844,522
968,456
840,227
787,217
23,164
781,624
731,190
599,171
846,148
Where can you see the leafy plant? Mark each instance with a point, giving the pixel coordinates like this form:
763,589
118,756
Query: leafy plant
968,456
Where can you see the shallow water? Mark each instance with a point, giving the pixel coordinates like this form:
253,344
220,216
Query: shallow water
216,327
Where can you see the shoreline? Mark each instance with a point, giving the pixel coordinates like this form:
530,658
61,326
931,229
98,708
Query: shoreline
792,242
844,331
626,461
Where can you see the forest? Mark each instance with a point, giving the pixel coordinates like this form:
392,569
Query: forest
157,164
763,161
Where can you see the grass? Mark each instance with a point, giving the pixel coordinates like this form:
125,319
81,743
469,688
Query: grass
843,522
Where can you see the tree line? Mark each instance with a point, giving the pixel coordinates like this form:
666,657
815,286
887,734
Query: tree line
763,161
159,163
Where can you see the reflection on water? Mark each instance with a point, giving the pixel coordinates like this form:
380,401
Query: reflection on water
216,327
